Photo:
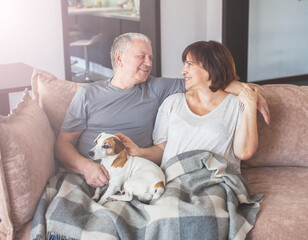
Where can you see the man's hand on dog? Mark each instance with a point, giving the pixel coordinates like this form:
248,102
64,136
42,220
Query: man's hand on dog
96,175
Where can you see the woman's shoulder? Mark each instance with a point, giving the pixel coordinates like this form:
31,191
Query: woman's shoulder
174,98
173,101
233,100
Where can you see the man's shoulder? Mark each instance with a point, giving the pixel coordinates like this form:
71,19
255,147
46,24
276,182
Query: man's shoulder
165,84
96,88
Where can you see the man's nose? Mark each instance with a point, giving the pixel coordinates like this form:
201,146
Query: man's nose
148,61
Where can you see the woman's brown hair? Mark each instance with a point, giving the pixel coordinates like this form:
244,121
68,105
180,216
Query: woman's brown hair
216,59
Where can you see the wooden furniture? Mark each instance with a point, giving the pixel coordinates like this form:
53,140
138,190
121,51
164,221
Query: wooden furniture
14,77
85,43
111,27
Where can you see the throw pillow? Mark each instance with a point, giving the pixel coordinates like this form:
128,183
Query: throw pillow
26,161
54,96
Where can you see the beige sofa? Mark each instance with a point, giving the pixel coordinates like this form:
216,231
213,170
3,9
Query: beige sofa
278,169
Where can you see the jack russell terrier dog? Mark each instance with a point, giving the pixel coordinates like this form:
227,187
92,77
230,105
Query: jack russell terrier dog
131,176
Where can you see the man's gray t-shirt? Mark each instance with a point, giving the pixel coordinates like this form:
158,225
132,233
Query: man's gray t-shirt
100,107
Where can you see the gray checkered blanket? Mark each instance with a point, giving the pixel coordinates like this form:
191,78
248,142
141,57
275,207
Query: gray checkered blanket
205,198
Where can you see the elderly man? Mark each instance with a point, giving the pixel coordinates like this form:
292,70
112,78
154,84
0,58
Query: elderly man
127,103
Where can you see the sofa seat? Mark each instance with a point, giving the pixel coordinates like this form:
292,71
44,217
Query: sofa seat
286,195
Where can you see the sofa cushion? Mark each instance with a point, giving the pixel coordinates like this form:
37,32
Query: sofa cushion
285,141
26,161
283,212
53,95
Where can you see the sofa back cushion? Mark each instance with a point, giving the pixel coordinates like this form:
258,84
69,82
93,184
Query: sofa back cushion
53,95
26,162
285,141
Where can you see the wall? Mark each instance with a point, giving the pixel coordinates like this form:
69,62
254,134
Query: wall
184,22
278,37
31,32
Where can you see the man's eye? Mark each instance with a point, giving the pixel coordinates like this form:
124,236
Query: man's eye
142,56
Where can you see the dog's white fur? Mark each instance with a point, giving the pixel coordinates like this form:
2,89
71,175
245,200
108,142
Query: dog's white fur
131,176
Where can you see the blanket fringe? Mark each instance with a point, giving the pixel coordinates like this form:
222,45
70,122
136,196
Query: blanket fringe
57,236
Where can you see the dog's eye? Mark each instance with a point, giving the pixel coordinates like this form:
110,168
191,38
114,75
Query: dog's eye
105,146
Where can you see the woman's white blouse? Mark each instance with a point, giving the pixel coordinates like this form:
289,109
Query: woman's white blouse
185,131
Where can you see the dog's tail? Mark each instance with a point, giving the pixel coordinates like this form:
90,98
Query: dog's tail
159,188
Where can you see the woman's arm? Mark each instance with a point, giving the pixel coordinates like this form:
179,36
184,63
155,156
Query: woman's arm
154,153
246,138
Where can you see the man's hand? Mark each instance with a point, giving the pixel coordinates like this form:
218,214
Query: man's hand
95,174
249,97
235,88
263,109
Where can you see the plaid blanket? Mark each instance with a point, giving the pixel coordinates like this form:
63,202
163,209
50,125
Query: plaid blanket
205,198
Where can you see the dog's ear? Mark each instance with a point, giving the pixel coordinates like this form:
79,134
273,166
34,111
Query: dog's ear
95,141
119,146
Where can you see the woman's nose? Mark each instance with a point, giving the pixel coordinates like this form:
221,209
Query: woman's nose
183,71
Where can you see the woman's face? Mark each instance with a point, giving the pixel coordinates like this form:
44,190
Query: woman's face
195,75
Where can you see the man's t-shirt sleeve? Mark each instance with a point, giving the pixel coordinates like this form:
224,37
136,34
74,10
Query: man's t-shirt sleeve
164,87
76,116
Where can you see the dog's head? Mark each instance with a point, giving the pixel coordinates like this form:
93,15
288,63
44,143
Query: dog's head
106,145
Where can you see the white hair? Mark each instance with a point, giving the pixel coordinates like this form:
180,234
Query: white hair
122,44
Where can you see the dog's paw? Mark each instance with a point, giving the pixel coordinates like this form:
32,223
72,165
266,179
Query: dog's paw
111,199
95,198
102,201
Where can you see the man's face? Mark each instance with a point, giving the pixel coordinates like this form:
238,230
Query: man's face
136,63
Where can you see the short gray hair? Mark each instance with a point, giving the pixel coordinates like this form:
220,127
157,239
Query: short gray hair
122,44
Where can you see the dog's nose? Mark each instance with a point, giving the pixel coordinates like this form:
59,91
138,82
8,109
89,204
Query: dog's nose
91,153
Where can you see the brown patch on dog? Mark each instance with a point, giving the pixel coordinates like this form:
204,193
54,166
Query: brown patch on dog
120,160
119,146
115,144
160,185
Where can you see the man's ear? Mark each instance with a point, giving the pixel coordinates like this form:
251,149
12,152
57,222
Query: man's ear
118,58
119,146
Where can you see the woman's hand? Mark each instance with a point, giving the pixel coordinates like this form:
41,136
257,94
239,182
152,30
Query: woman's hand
153,153
131,147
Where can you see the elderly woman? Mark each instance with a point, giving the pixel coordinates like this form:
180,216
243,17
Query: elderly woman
205,117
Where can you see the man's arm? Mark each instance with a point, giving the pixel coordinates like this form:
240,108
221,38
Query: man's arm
94,173
235,88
